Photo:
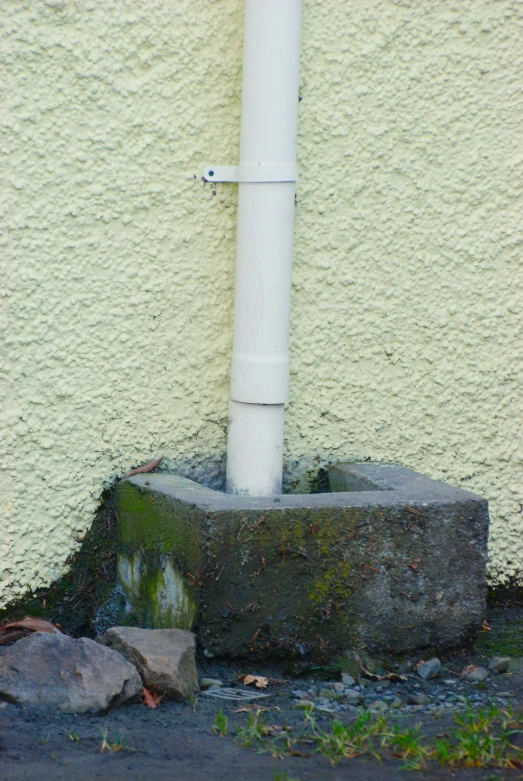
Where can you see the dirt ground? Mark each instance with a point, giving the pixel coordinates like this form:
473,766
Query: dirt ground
176,740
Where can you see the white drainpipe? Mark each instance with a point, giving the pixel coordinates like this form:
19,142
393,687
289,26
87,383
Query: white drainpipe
267,174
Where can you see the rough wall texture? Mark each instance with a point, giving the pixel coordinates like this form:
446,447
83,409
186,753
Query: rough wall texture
118,261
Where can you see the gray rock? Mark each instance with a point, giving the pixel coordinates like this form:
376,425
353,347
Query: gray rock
352,697
419,699
165,658
347,679
304,705
476,675
75,676
499,664
339,686
379,705
429,669
301,695
206,683
326,708
329,694
396,703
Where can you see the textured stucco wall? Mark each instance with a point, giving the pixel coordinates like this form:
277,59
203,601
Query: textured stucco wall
118,261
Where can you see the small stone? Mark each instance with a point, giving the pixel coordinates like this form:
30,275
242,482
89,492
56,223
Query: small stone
371,665
165,658
379,706
300,694
385,684
328,694
339,686
347,679
476,675
429,669
75,676
206,683
396,703
419,699
499,664
352,697
450,681
304,705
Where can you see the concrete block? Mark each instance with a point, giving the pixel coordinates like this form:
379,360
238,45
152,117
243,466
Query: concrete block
389,559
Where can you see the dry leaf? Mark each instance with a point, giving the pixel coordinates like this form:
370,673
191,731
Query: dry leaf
415,564
259,681
32,624
387,677
485,626
12,637
296,753
150,467
16,630
469,669
315,529
150,698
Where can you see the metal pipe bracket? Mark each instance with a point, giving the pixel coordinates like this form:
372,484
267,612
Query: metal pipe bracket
251,174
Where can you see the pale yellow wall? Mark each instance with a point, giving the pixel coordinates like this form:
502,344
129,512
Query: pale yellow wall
118,261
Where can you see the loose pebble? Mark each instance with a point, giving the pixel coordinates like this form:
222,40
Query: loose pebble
329,694
206,683
304,705
379,705
430,669
418,699
499,664
352,697
301,695
475,675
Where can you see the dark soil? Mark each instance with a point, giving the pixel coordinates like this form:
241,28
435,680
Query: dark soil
176,741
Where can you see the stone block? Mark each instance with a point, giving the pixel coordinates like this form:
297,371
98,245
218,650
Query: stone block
75,676
165,658
390,560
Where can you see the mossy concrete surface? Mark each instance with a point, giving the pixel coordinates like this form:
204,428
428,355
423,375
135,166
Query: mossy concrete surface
392,561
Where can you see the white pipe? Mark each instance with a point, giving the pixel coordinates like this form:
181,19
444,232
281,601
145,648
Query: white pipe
260,362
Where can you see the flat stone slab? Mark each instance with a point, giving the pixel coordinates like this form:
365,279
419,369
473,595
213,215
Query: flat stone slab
390,560
165,658
75,676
